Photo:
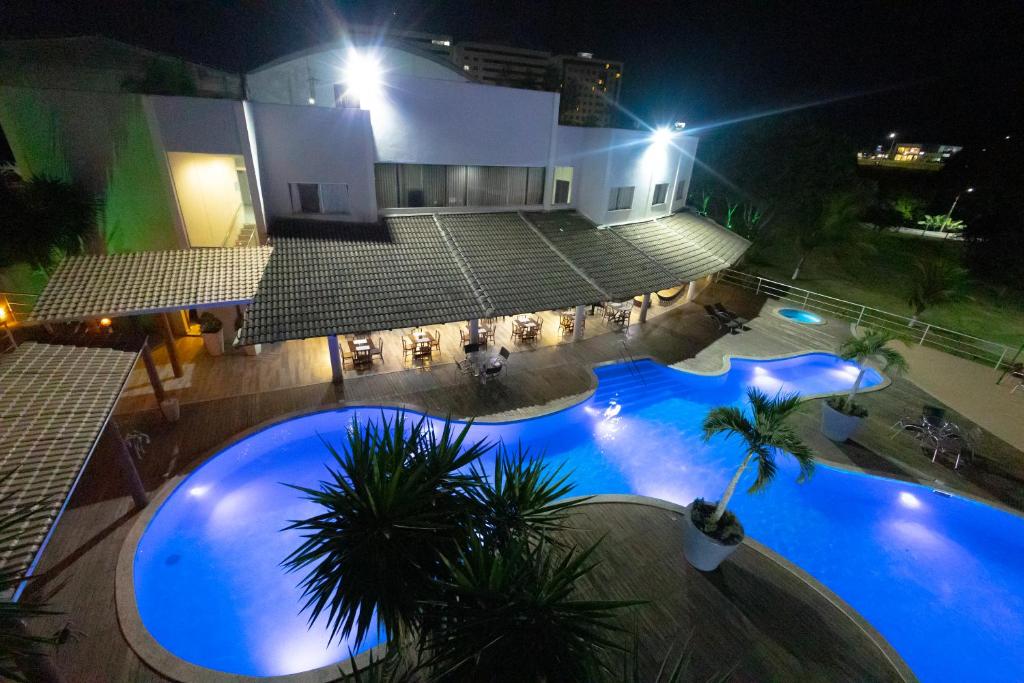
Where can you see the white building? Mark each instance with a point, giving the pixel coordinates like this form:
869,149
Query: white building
349,134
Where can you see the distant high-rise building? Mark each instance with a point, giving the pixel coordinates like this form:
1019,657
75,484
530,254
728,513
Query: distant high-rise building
502,65
434,43
590,89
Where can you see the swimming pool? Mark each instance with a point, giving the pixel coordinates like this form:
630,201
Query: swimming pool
799,315
941,577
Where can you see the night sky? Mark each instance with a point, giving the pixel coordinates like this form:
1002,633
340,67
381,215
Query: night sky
945,72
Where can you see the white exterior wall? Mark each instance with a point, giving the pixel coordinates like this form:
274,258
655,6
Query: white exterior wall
605,158
303,144
424,121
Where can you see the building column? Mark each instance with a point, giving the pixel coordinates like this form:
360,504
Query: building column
474,331
154,375
579,323
127,464
645,304
335,352
691,291
172,350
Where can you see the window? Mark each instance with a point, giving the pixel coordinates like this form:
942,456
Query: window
325,198
561,192
621,198
402,186
680,190
660,192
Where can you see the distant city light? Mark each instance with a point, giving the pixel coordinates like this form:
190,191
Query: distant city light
970,189
312,100
679,125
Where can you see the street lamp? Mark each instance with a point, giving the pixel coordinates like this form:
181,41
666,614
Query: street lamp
949,214
892,136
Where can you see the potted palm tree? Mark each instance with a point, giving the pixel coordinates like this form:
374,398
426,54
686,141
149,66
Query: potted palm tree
210,326
841,416
713,532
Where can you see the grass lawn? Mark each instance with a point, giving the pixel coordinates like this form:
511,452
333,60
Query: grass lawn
879,272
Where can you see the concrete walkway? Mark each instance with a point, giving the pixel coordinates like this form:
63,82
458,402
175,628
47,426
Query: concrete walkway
970,389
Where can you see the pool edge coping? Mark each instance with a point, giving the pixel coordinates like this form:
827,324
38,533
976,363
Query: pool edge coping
150,651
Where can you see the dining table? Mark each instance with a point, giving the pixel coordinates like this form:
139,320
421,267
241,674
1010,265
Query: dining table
361,349
527,326
422,343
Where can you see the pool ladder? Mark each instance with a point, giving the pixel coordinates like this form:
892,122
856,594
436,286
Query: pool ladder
627,357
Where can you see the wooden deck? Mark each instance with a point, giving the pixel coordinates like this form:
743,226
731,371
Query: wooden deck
226,395
752,617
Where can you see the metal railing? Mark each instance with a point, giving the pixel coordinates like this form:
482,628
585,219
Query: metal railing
913,331
15,307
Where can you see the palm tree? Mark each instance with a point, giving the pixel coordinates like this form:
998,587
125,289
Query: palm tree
872,347
20,650
936,281
392,509
764,431
514,616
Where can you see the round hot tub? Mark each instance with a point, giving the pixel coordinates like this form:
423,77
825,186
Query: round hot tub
800,316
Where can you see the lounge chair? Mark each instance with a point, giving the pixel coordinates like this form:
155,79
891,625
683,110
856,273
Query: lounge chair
719,308
723,321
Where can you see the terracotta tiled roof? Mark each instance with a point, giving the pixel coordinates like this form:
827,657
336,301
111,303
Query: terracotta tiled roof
54,403
137,283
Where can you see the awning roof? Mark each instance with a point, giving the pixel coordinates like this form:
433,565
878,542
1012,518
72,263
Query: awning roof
516,268
335,278
139,283
342,277
54,403
686,245
617,266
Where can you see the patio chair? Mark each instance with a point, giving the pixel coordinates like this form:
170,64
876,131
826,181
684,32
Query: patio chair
504,353
493,371
471,348
719,308
407,346
347,360
378,350
436,341
722,321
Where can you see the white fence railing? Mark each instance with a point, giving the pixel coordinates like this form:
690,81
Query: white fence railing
957,343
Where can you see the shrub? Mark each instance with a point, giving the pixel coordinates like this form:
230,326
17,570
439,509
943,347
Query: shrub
209,323
845,406
728,530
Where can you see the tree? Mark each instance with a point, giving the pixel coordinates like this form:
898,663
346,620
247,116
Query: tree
44,219
19,650
835,227
941,223
936,281
764,429
907,207
459,561
871,347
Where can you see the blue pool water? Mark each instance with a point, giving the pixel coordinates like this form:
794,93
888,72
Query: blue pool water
941,577
799,315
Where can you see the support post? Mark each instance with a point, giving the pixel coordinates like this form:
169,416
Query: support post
645,304
691,291
474,331
154,375
127,464
335,353
579,323
172,350
926,328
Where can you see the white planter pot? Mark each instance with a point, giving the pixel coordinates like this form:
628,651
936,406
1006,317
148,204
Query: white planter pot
838,426
702,551
171,409
214,342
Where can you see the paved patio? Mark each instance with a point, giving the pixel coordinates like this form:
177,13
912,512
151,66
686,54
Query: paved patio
227,395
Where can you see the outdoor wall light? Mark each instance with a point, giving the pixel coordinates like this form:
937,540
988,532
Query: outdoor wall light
362,76
661,136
